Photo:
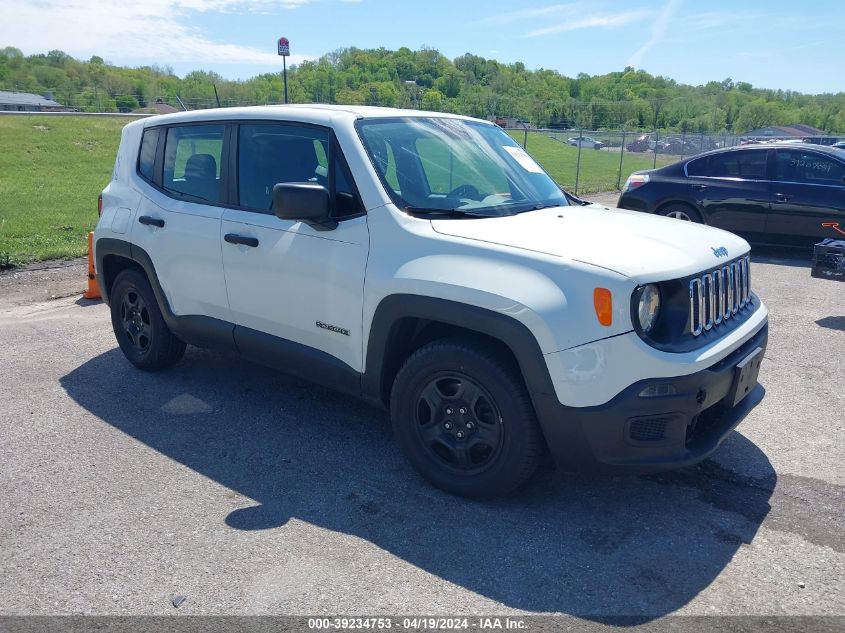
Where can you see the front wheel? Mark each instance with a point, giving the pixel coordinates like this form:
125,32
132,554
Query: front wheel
463,418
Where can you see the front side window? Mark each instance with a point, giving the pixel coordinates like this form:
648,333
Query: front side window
147,154
272,153
809,168
450,166
192,156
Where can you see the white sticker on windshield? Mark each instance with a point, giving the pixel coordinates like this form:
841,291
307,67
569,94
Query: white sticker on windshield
522,157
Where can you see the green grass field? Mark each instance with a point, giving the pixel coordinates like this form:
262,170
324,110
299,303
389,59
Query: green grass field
51,171
599,169
53,168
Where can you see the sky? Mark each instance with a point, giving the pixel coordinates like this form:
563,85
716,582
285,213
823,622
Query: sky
770,43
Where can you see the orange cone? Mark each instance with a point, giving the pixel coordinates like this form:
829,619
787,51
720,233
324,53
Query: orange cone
93,291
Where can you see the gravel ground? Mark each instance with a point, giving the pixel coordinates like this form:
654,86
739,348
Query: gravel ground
249,492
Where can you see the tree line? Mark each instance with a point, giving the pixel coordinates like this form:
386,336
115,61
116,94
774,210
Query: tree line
428,80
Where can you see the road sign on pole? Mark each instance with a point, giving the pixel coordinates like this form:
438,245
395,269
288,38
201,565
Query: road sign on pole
284,46
284,51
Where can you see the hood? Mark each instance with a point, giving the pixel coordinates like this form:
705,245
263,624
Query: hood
638,245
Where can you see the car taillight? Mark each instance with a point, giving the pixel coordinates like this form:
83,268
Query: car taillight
635,180
100,205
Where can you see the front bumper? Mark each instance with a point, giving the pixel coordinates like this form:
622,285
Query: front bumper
644,434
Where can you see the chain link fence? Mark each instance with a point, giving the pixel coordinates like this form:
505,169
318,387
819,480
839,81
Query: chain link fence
582,160
593,161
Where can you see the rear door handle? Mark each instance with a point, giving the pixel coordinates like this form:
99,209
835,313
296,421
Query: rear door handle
149,221
783,197
699,187
233,238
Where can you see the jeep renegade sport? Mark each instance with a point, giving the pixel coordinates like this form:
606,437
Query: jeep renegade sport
425,263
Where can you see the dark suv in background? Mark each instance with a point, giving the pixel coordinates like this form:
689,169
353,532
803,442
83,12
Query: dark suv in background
774,193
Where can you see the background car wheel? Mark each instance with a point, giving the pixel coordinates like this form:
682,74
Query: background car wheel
138,325
681,212
463,418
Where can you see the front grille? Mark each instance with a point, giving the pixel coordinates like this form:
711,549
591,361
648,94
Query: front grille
718,295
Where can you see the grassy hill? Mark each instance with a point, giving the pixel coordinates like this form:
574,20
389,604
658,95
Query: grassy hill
51,172
53,168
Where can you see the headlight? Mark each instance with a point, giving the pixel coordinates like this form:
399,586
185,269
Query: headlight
648,307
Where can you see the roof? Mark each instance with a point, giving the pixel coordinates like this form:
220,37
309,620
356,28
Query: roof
825,149
319,114
27,99
796,129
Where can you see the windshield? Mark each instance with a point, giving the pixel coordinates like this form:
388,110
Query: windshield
455,167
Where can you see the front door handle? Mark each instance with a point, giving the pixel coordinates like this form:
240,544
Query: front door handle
149,221
233,238
699,187
783,197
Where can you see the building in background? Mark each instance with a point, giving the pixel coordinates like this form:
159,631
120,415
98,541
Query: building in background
28,102
796,130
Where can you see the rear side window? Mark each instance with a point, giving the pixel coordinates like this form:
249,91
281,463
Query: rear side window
809,168
749,165
147,154
192,156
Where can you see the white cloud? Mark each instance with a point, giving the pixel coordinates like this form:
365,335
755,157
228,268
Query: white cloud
658,30
593,21
536,12
149,31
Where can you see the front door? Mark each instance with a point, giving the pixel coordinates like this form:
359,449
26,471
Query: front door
285,278
809,190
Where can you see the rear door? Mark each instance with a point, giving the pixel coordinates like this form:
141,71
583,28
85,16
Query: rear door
808,191
733,190
178,219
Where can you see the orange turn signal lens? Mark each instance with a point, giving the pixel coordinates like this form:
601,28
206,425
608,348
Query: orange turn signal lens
603,303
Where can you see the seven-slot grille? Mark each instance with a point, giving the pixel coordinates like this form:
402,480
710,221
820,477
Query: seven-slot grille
716,296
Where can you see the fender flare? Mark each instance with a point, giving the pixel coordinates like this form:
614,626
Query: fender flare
512,333
198,330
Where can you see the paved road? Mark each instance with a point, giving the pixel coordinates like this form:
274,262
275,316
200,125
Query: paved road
249,492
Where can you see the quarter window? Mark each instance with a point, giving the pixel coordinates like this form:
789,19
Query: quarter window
192,156
346,201
147,155
809,167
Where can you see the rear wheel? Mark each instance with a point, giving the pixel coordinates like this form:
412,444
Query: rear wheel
139,327
463,418
681,211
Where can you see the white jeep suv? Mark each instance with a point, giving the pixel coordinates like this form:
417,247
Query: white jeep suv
425,263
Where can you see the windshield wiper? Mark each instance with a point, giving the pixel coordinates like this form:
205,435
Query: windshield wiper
449,212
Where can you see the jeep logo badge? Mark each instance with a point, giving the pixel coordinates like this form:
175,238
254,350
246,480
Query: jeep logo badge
719,252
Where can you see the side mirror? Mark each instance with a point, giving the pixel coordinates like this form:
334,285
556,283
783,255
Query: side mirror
305,201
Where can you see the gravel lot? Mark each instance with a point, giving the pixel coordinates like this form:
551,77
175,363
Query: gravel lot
250,493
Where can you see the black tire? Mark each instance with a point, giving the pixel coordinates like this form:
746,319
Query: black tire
139,327
681,211
461,386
